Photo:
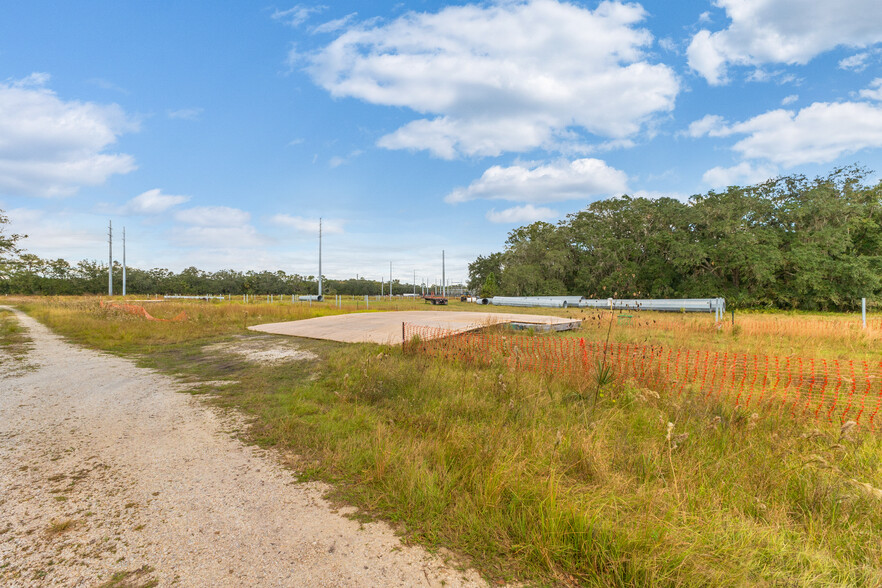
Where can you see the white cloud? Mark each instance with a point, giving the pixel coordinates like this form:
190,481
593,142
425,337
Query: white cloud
782,31
856,62
153,202
50,147
521,214
553,182
334,25
711,125
186,113
819,133
213,216
307,225
741,174
510,76
297,15
60,233
874,92
789,99
216,237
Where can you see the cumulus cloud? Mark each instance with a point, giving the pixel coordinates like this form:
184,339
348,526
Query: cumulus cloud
507,76
213,216
789,99
307,225
51,147
711,125
783,31
553,182
819,133
153,202
521,214
874,92
741,174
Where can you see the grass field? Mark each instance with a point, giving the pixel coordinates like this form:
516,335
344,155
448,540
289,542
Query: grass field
521,473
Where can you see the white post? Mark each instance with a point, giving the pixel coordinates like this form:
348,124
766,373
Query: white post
124,262
367,303
864,311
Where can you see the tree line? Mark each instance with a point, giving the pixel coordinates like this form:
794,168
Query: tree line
26,273
790,242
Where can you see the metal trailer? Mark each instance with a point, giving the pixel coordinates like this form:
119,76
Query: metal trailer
435,299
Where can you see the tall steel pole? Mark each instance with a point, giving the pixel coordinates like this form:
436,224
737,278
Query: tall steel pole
414,283
124,261
110,258
390,280
320,260
443,280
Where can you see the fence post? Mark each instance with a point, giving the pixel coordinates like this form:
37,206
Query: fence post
864,311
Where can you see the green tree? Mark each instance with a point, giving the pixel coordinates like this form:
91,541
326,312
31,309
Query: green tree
490,287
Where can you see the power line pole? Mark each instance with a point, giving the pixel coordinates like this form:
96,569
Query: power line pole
390,280
124,261
443,279
320,260
110,258
414,283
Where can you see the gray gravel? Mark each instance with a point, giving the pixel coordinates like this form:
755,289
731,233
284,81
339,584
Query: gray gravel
105,468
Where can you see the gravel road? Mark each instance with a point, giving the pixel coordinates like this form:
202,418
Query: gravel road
106,468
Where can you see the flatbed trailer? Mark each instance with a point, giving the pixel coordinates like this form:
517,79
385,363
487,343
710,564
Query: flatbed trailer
435,299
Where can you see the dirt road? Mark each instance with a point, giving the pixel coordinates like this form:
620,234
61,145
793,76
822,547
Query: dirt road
106,469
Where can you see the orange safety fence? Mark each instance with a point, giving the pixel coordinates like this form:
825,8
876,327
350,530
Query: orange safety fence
821,388
141,311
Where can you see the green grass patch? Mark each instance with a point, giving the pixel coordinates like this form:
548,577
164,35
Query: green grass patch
14,339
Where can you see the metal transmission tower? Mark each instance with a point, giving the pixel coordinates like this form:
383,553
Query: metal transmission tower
110,258
320,260
443,279
124,261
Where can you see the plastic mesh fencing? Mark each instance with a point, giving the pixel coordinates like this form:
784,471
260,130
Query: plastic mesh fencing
830,390
141,311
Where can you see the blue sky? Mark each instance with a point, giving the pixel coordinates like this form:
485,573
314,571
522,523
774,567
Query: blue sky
218,133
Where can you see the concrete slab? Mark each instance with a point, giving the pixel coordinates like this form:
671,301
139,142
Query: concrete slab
385,327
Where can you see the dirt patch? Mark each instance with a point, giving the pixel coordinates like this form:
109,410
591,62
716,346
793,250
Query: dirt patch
264,350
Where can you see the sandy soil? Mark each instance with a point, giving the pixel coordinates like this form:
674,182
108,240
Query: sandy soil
105,468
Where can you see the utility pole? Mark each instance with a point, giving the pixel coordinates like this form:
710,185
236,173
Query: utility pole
414,283
320,260
390,280
124,262
110,258
443,282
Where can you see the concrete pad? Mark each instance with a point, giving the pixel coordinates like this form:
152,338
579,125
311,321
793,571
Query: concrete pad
385,327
